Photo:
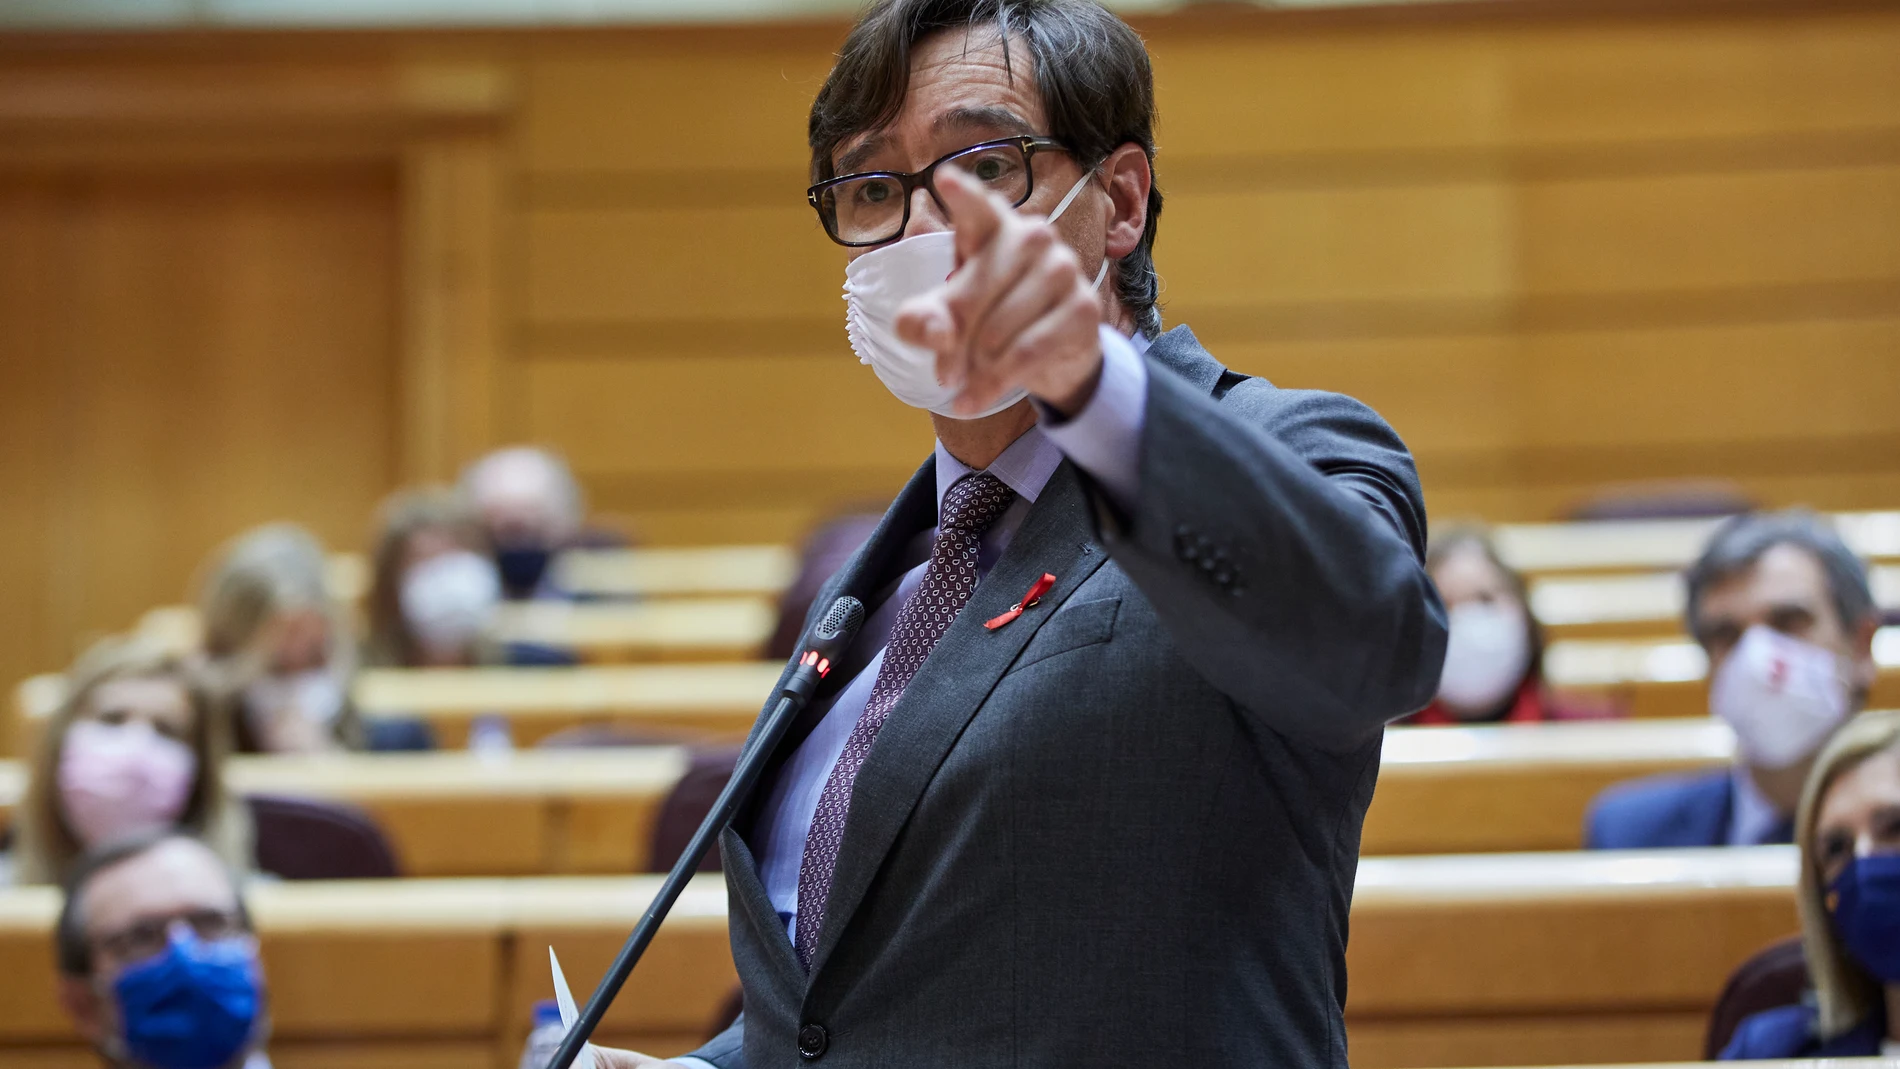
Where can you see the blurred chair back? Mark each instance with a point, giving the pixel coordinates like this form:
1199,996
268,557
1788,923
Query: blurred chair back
825,552
691,799
317,839
1777,975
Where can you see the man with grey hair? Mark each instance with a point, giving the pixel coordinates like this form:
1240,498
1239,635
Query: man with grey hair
1087,788
532,508
1783,609
158,966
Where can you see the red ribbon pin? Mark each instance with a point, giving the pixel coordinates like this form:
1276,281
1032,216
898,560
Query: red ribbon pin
1036,591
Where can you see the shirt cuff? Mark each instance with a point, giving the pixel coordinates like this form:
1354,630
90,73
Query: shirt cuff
1104,439
691,1062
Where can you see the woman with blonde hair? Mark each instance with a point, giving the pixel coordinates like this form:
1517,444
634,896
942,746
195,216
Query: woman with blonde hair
279,642
1848,829
136,745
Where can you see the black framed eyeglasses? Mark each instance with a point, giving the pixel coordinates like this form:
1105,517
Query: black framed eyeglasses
874,207
148,937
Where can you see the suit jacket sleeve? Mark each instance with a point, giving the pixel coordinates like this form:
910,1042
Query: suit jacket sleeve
725,1050
1280,536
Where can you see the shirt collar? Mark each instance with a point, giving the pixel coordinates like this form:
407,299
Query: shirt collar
1024,467
1753,819
1141,342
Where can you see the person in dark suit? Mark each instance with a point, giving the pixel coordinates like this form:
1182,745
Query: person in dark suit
1782,607
1088,788
1849,900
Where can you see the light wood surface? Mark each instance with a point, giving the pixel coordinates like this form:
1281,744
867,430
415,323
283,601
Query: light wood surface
1668,677
677,571
1441,790
1613,245
457,813
1476,960
1644,603
713,701
1644,545
1519,787
675,629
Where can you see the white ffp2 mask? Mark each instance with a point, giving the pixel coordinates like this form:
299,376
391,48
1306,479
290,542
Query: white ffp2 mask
1782,696
878,283
449,600
1487,653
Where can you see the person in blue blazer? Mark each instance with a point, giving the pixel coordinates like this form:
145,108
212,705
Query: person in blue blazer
1782,608
1848,896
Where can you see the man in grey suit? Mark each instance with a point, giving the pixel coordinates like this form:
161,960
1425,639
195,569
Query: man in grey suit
1088,788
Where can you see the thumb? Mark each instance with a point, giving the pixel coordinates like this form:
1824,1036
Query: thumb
609,1058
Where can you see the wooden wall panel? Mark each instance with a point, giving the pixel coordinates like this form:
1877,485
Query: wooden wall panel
211,352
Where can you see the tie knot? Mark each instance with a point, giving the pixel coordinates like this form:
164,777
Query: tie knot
974,502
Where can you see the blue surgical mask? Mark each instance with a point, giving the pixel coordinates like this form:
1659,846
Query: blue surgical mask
1866,904
194,1006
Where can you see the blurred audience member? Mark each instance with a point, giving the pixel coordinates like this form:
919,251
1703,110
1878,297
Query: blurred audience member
136,745
158,966
280,642
532,508
1494,657
826,551
1849,899
434,588
1783,609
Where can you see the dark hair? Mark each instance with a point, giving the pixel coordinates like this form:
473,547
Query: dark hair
1741,540
71,945
1091,69
1477,536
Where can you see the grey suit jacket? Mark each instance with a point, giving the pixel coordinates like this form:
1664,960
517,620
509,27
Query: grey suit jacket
1124,826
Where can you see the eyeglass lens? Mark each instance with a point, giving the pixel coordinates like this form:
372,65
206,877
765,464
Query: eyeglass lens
871,209
148,937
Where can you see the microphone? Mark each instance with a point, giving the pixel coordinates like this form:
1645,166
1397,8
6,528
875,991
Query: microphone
828,642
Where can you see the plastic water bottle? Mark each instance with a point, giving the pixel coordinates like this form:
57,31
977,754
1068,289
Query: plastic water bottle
545,1038
489,736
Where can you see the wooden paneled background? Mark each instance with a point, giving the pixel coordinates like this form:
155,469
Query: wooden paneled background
245,276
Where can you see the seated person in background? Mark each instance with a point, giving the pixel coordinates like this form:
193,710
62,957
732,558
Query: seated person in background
434,587
1782,608
531,508
1849,899
1494,657
280,642
157,964
137,745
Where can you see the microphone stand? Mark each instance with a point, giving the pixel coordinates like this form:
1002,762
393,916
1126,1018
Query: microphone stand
829,641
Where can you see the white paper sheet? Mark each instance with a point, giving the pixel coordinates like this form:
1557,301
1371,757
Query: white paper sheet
564,998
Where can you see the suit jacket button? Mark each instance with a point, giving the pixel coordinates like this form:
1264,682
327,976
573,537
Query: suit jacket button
1224,576
812,1041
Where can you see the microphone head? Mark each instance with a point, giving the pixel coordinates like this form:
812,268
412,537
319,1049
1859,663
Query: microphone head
839,626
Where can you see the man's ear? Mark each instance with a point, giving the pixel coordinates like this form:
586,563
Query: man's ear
85,1007
1129,179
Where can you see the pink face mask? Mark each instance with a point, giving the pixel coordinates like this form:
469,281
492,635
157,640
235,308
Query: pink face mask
119,779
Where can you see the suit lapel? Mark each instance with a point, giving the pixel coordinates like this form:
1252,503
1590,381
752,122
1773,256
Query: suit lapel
1056,537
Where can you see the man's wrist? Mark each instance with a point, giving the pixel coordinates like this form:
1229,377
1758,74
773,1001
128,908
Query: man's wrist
1067,408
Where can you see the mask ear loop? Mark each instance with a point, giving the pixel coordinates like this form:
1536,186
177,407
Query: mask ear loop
1063,206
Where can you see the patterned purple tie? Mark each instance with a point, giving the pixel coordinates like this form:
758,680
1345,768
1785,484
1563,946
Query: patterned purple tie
969,507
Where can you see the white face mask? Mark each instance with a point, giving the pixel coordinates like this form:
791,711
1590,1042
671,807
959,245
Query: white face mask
879,282
449,600
1782,696
1486,655
315,694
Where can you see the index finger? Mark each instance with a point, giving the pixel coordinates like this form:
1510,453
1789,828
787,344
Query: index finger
976,214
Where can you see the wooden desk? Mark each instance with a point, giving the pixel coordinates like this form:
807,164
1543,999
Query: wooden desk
454,813
1517,787
1667,678
1643,604
673,629
686,571
435,973
1481,960
1640,545
685,702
